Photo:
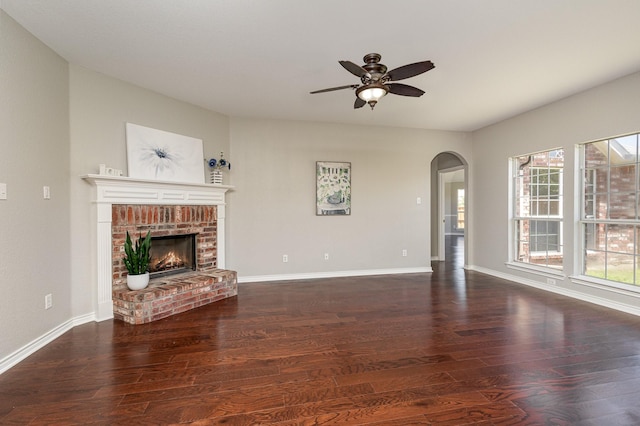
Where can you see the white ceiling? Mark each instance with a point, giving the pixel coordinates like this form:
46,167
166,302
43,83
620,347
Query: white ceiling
494,58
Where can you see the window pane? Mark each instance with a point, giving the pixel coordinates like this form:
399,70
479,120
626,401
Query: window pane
522,243
596,154
620,267
623,178
595,264
538,236
543,190
620,238
540,159
602,180
590,180
594,235
523,252
622,206
554,206
589,207
543,177
601,203
460,205
533,208
520,203
624,149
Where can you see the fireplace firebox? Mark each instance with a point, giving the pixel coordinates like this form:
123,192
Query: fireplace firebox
172,254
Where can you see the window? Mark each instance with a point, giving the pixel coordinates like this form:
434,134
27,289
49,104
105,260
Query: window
537,208
610,220
460,205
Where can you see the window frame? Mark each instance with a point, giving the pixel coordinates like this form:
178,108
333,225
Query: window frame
585,220
516,215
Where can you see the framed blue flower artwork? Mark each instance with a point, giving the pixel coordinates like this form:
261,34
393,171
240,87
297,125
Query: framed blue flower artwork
333,188
159,155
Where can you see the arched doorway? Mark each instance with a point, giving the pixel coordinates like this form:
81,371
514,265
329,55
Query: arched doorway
449,207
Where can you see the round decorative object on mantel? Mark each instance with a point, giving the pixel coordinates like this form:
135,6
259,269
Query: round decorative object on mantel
138,282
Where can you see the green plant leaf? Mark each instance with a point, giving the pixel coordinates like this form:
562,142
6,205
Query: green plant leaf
137,256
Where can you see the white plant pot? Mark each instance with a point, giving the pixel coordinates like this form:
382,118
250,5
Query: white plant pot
138,282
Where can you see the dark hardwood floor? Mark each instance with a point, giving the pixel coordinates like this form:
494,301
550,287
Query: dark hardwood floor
450,348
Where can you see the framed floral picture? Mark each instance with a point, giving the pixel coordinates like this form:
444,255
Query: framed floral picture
333,188
158,155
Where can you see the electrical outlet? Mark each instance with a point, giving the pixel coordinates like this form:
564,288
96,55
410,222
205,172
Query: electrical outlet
551,281
285,258
3,191
418,201
48,301
326,256
404,253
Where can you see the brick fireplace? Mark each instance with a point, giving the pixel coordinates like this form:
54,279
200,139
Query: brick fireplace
162,221
168,295
126,204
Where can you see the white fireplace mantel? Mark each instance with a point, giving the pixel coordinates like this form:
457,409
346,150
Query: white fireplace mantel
111,190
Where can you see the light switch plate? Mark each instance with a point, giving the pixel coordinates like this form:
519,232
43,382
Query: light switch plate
3,191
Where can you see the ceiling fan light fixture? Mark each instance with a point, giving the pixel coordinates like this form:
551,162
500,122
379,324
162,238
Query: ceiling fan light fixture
372,93
377,81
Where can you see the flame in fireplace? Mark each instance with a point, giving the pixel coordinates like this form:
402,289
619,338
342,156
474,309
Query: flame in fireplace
169,261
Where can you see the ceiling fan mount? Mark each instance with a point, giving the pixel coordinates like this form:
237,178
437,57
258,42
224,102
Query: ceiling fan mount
377,82
374,67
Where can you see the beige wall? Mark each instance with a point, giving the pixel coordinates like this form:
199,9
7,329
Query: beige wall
272,210
606,111
34,152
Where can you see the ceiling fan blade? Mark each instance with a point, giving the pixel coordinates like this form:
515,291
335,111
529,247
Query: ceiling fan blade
350,86
354,69
404,90
410,70
359,103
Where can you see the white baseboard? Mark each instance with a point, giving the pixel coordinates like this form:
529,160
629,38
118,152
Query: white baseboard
31,347
559,290
334,274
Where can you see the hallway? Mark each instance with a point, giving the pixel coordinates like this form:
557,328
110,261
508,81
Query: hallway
454,257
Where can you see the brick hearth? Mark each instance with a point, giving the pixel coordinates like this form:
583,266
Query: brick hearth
171,295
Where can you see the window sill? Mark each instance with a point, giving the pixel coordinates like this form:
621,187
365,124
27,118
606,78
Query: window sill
537,270
626,289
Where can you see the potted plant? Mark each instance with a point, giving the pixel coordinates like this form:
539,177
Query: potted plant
136,260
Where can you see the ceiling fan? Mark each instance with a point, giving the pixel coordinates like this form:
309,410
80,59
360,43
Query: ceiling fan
377,82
